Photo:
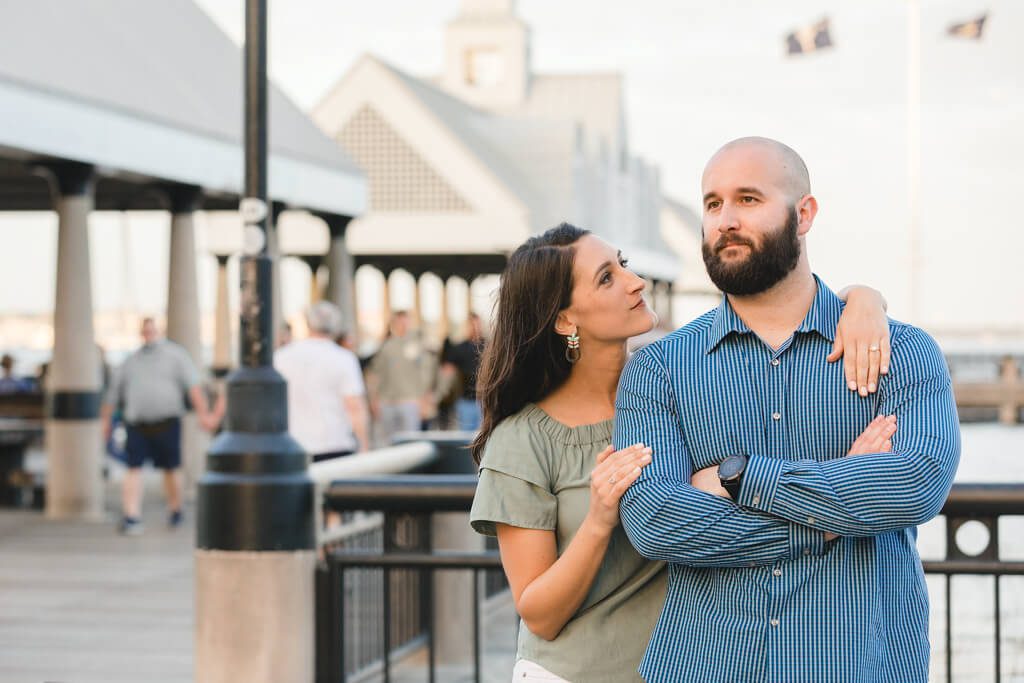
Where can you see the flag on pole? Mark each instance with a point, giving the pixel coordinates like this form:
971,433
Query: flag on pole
969,29
809,38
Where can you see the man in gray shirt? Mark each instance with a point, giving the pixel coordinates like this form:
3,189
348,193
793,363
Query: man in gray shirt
153,390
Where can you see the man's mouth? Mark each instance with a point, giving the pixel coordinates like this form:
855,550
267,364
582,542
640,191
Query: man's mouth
722,247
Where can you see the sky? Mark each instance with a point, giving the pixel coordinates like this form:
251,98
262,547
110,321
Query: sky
698,74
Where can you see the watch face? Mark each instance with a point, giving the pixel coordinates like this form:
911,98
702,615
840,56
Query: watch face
731,467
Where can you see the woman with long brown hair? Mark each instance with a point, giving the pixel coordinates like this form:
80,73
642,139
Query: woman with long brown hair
549,481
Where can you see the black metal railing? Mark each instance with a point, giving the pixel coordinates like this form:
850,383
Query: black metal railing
985,504
404,572
421,495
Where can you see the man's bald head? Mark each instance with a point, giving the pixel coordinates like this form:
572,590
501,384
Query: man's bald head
793,177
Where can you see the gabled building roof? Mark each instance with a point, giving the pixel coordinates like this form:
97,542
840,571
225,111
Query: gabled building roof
153,89
533,158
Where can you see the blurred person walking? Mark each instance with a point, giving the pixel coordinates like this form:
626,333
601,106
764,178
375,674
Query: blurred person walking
9,383
326,395
153,389
400,377
461,361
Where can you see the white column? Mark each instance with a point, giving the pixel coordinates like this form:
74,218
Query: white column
341,282
385,304
222,321
417,307
443,325
183,315
469,295
74,480
274,252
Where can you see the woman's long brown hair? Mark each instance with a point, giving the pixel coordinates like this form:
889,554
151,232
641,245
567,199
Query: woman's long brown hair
524,360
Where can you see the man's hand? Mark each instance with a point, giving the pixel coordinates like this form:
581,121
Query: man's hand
707,480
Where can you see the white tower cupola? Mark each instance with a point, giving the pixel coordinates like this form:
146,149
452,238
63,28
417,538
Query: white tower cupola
487,55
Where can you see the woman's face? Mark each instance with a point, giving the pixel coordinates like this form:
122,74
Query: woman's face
607,298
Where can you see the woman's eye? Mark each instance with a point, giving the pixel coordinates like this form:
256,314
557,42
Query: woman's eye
624,263
606,277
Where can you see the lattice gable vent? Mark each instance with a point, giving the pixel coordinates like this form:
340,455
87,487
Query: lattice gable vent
399,178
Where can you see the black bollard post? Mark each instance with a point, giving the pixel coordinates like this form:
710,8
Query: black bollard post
255,552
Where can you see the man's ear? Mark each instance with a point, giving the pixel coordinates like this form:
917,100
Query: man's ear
563,325
806,210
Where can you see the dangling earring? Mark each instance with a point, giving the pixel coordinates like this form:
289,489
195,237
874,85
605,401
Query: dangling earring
572,348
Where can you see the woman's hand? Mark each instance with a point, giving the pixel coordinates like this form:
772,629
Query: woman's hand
876,437
614,472
862,339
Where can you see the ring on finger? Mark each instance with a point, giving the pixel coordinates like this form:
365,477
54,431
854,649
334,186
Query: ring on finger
873,348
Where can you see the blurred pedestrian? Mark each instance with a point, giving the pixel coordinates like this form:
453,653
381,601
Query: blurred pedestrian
284,335
9,383
462,361
326,396
154,388
400,380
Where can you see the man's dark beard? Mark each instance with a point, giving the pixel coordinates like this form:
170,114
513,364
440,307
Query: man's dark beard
763,268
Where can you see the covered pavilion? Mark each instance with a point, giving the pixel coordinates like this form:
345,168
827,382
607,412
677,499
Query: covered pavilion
138,106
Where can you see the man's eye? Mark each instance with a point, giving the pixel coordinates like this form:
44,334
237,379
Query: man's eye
713,205
748,199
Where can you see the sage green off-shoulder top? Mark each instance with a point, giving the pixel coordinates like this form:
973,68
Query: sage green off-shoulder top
535,474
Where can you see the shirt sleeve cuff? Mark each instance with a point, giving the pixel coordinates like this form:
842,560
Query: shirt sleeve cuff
760,481
805,541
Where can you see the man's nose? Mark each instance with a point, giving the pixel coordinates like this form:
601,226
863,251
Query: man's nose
728,219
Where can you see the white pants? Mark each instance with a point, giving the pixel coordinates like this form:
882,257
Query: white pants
526,671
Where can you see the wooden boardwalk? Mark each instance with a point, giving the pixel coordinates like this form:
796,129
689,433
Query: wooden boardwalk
80,603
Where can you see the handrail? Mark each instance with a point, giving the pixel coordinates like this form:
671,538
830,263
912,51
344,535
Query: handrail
404,493
985,499
391,460
454,492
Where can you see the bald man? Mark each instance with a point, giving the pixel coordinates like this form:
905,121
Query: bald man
790,558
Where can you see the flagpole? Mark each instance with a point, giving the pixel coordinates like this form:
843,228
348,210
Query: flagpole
914,154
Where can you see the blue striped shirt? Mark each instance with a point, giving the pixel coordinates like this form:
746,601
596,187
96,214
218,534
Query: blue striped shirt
755,592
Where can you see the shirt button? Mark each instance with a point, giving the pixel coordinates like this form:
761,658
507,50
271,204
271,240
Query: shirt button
776,416
756,500
774,622
775,362
810,520
807,551
777,572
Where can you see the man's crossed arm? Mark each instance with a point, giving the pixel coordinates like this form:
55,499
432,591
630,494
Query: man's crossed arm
805,502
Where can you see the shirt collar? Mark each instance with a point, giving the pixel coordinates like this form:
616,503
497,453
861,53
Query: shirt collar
822,317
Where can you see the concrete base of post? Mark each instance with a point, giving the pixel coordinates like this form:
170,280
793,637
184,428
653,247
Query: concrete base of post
453,590
74,477
254,616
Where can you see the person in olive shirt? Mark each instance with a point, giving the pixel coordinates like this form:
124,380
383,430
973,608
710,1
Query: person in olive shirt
399,379
550,482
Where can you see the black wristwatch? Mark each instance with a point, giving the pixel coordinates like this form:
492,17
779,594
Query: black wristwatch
730,473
